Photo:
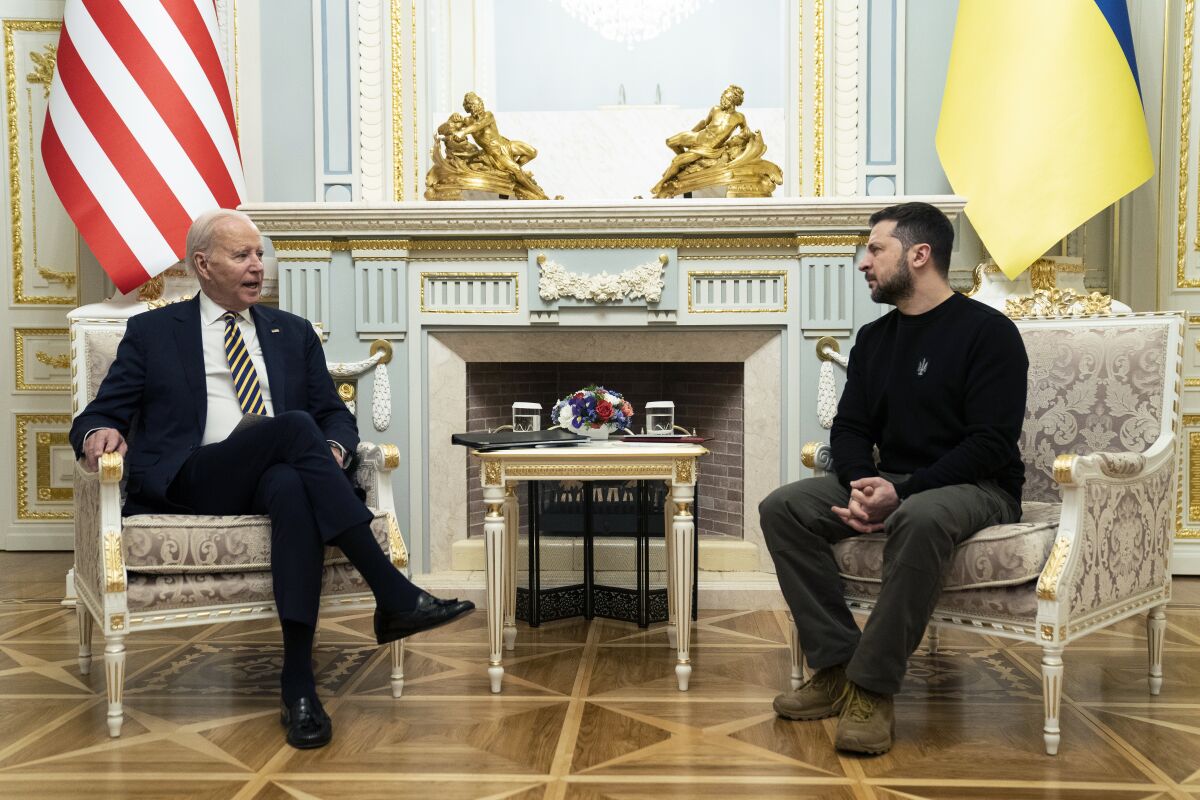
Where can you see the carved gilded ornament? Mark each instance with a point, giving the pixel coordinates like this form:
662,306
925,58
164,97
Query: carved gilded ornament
643,281
1053,303
60,361
114,562
1064,466
685,470
43,63
39,466
396,546
112,466
391,455
117,622
1047,585
151,289
653,470
493,473
808,454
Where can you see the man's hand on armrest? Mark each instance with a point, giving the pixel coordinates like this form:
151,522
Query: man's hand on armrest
101,441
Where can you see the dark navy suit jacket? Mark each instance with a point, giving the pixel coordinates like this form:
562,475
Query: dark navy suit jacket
156,393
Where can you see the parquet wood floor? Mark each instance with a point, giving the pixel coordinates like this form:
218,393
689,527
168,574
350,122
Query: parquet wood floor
589,712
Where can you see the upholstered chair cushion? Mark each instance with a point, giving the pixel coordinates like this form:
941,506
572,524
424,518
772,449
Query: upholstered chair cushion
169,544
1002,555
1016,604
101,350
148,592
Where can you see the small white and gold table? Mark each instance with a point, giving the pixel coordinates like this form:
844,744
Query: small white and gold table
599,461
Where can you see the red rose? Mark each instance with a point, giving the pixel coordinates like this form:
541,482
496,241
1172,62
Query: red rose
604,410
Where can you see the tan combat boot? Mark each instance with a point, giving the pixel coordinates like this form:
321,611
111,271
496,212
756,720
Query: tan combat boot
867,723
817,698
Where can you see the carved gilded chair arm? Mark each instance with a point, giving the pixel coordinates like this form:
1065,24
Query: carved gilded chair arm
99,560
373,473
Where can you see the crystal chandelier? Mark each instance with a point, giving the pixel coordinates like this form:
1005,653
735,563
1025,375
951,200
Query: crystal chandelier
630,21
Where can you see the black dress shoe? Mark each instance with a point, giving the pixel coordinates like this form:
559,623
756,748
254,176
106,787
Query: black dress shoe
428,613
307,724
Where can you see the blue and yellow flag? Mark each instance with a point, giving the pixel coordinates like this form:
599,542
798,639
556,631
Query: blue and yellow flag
1042,123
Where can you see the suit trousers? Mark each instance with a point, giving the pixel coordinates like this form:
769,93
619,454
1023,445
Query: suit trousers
800,529
281,467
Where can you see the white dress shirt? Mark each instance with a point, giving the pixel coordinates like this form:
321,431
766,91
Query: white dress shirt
224,411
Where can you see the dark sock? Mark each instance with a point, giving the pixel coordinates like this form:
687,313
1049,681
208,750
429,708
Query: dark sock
297,679
393,591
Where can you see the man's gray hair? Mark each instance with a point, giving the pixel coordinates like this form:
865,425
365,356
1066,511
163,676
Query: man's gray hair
200,234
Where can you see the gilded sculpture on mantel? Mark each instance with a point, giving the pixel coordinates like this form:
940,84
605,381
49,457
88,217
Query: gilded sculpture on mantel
491,163
720,150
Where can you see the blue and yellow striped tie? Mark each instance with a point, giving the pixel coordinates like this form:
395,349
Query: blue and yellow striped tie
245,377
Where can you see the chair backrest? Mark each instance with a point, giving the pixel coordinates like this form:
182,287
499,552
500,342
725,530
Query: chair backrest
1097,384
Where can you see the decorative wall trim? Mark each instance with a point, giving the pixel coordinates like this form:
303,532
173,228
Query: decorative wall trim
847,158
1185,150
43,492
370,100
20,335
23,256
732,291
819,99
468,293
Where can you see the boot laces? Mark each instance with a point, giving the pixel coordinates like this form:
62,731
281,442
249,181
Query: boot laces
858,703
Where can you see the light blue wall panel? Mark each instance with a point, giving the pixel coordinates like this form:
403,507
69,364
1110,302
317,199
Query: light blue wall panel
881,82
339,97
930,30
289,173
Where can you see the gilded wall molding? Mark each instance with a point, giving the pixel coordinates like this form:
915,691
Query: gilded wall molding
819,99
20,255
847,160
1185,122
20,335
26,424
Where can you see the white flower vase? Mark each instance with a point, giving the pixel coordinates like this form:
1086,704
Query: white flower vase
598,434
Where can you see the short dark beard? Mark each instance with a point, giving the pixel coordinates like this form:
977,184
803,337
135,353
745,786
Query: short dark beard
897,288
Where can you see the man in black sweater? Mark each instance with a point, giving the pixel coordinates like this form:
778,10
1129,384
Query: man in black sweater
938,385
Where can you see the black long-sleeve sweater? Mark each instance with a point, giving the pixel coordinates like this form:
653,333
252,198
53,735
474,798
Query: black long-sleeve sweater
941,393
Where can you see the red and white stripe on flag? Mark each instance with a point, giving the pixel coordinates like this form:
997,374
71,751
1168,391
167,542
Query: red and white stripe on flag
140,137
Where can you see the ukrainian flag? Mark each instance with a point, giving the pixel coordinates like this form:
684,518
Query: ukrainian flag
1041,124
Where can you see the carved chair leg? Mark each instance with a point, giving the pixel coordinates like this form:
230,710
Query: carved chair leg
85,637
1052,675
114,673
397,668
797,654
1156,628
933,638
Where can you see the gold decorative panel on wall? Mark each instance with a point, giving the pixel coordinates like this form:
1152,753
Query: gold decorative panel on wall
42,359
45,467
44,252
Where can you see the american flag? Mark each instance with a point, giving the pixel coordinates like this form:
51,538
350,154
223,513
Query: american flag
140,136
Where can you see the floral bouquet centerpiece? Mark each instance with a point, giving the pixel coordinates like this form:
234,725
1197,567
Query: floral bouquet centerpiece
593,411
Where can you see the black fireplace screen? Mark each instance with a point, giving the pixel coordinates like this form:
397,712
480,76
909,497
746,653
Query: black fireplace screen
596,549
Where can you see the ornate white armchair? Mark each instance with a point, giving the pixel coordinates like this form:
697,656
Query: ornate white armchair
1100,446
155,571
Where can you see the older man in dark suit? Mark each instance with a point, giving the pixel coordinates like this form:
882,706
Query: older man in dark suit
229,409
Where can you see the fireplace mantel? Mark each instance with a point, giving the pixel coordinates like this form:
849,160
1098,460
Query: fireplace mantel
569,218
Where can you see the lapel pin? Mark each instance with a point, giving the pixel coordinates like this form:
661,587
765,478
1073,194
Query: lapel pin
274,330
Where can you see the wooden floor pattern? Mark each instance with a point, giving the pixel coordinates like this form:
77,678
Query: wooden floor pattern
588,712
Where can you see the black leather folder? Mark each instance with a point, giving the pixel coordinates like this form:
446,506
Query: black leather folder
509,440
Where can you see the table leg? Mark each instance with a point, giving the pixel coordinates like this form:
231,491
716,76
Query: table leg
495,536
669,543
683,531
512,534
